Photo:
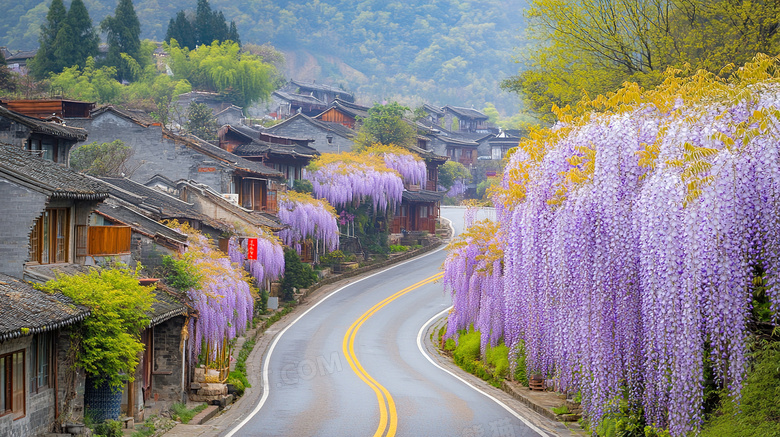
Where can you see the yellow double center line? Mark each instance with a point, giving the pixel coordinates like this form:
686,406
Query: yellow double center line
387,411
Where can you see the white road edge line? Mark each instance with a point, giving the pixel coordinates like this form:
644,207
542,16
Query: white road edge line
511,411
266,384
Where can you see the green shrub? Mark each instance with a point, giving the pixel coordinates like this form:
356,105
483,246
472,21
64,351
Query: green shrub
394,248
109,428
296,274
758,413
498,358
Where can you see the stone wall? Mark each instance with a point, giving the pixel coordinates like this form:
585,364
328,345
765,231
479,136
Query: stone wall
21,207
167,383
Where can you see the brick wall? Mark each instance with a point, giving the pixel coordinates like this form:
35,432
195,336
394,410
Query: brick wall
21,207
39,406
168,361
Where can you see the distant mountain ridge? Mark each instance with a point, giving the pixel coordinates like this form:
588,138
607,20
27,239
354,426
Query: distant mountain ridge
441,51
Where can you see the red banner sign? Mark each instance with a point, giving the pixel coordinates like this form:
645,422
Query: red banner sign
251,248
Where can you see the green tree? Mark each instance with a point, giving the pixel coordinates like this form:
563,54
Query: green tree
108,341
386,125
181,30
588,48
451,172
102,159
297,275
90,83
201,122
44,61
221,67
7,77
78,40
232,34
123,34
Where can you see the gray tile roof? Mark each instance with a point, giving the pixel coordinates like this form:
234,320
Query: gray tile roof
300,98
134,115
257,147
159,205
44,127
140,223
353,109
25,310
215,152
48,177
465,113
165,307
422,196
319,87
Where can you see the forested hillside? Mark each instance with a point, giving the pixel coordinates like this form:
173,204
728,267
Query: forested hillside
445,51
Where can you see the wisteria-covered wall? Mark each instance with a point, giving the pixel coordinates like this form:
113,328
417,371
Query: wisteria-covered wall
634,234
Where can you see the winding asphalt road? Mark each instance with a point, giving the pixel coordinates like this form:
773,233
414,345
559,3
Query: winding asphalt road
352,365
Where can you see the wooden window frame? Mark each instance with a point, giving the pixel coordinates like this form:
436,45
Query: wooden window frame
42,356
8,385
45,240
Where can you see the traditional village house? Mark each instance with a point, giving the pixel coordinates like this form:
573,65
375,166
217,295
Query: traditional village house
501,144
284,105
33,341
157,151
52,141
230,115
159,202
325,136
17,61
345,113
287,155
469,120
47,108
324,93
420,205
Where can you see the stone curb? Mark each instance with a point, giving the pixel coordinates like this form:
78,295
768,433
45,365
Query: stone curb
205,415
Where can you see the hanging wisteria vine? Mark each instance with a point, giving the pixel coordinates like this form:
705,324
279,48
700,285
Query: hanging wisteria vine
269,264
408,164
224,299
347,178
634,234
307,217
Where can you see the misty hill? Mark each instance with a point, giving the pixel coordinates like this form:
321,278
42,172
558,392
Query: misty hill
445,51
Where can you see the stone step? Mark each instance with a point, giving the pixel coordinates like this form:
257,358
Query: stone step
205,415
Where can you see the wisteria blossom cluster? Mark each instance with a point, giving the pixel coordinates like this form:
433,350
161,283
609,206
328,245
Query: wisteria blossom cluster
409,165
224,300
269,264
635,233
307,218
349,178
473,273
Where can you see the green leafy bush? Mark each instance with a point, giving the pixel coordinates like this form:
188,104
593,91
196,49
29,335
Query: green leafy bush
180,274
296,274
109,428
109,338
398,248
758,413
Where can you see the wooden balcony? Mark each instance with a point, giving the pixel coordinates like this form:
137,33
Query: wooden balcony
103,240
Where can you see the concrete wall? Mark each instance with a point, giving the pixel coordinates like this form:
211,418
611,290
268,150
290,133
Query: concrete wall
302,129
39,408
21,207
153,154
